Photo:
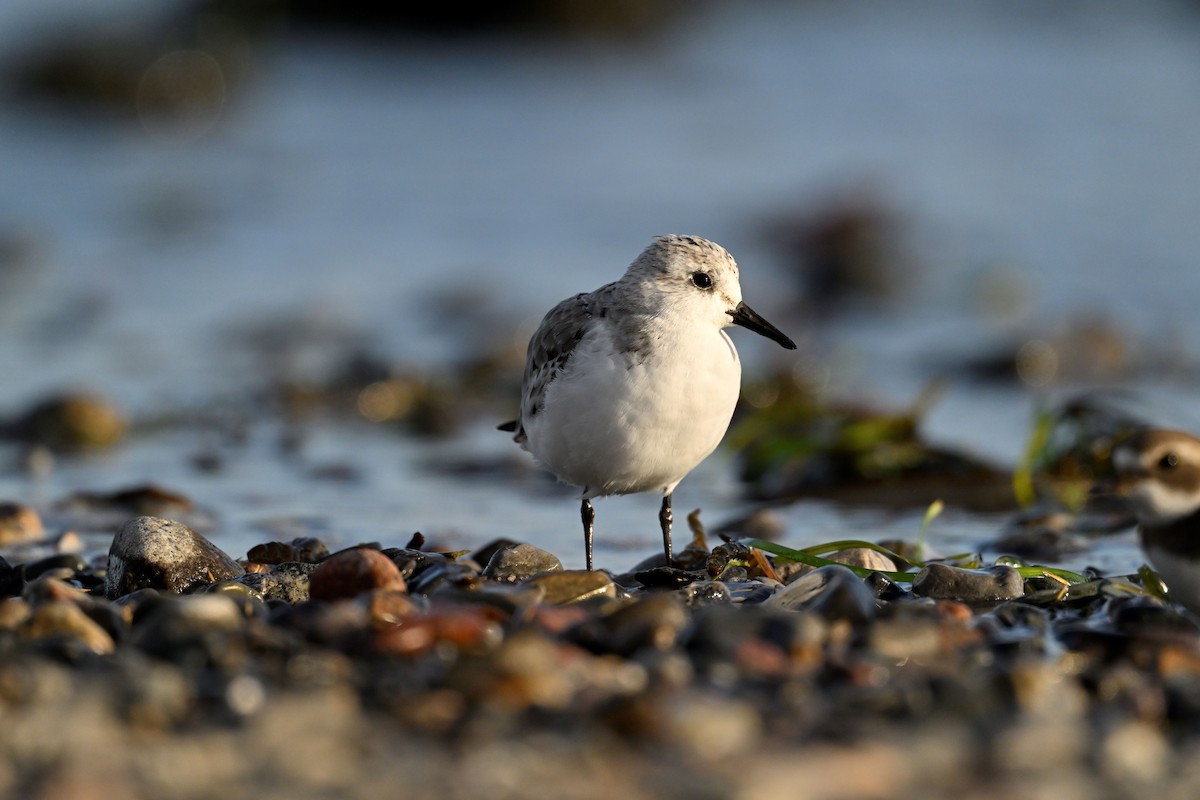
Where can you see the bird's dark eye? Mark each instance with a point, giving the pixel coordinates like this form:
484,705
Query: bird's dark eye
1169,461
702,280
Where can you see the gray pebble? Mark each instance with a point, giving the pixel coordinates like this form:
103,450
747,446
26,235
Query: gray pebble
834,592
164,554
517,562
944,582
287,582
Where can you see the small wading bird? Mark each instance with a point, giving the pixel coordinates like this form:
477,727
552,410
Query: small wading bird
629,387
1158,473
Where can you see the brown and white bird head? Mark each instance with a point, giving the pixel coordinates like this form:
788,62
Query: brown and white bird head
1158,472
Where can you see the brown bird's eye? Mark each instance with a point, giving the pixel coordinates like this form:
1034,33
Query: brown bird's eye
702,279
1169,461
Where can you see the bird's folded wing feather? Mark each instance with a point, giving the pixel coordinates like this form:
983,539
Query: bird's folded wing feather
551,346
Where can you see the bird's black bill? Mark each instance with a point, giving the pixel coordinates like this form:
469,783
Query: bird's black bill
747,317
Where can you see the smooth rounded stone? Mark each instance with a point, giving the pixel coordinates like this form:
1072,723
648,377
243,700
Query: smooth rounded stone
11,582
289,582
445,574
68,563
885,588
834,592
412,562
993,584
719,632
64,619
19,523
573,586
653,621
751,592
151,552
352,572
484,554
343,625
863,557
304,549
706,593
196,629
517,562
663,577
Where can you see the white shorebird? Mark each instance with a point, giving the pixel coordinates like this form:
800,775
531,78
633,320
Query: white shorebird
629,387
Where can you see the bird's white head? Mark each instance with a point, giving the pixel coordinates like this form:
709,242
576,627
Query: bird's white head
1158,472
697,279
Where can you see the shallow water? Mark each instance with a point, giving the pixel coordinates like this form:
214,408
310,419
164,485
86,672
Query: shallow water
360,183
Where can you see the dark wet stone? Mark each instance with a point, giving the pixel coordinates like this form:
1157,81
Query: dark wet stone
444,573
352,572
653,621
484,554
942,581
719,632
19,523
750,592
150,552
1147,618
517,562
573,586
70,563
196,631
664,577
288,582
11,581
834,592
705,593
305,549
1041,544
885,588
412,562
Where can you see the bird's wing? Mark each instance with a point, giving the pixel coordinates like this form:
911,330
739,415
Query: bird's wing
550,348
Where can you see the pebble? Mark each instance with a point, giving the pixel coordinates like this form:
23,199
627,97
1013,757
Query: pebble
61,618
352,572
288,582
568,668
654,622
151,552
517,562
19,523
574,586
832,591
992,584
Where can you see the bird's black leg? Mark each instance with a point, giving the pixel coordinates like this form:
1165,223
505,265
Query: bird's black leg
589,518
664,519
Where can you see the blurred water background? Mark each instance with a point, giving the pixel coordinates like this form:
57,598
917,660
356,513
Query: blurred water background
239,200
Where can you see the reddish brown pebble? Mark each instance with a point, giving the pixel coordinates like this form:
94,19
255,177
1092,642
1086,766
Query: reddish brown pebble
351,572
389,608
461,628
952,609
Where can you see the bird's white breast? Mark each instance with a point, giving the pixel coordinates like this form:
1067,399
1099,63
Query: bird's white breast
615,423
